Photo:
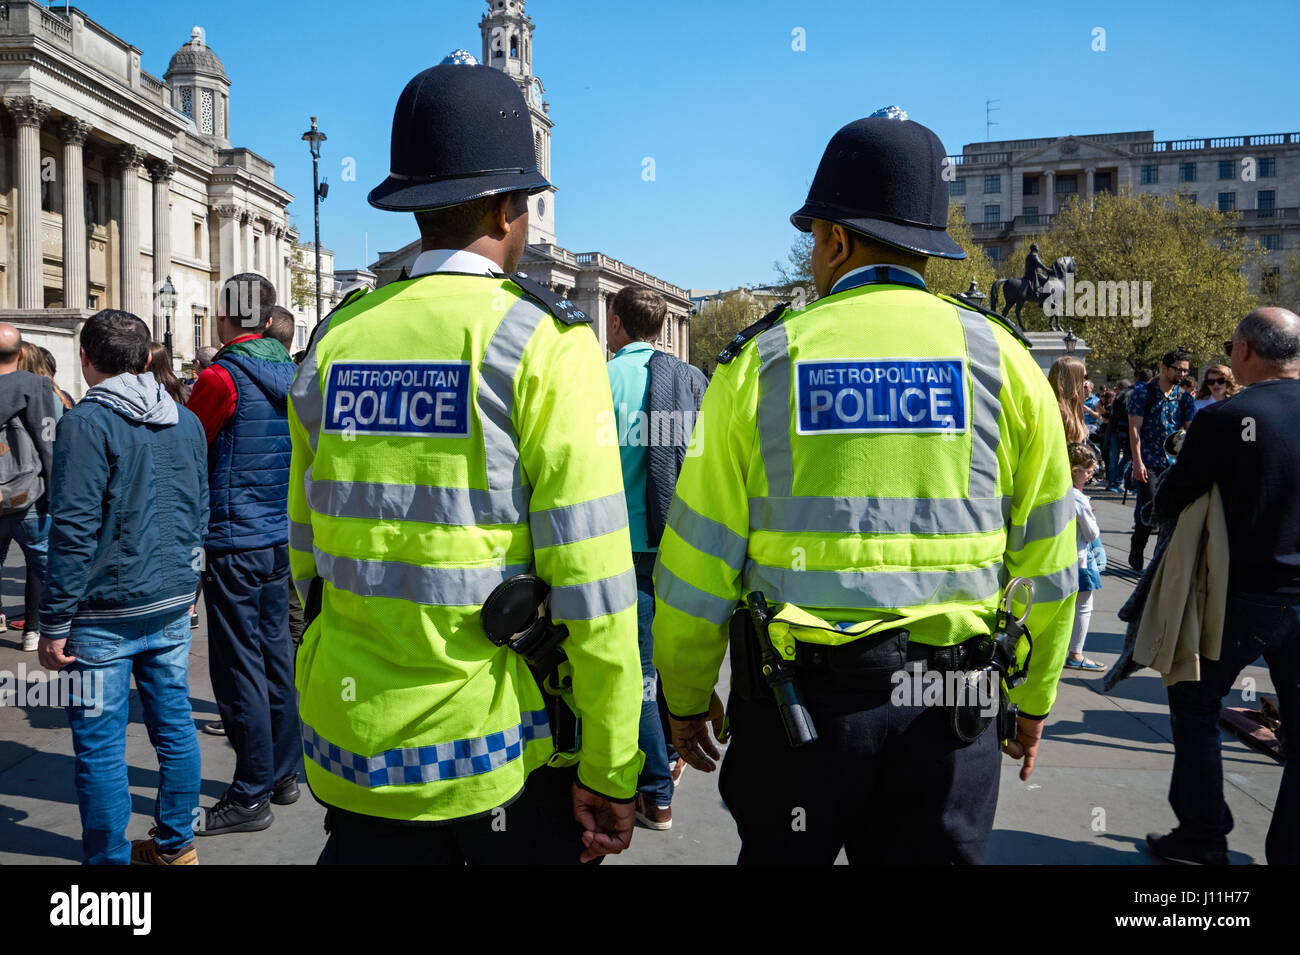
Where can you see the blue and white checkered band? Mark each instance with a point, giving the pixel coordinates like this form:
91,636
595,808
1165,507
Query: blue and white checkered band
889,112
415,765
879,275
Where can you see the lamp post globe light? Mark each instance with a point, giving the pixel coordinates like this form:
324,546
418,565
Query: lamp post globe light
1071,341
972,296
167,299
314,137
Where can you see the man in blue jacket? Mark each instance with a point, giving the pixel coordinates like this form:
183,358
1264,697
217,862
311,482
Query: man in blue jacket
129,511
242,401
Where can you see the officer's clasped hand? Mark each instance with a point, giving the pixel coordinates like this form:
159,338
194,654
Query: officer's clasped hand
691,737
607,825
1029,733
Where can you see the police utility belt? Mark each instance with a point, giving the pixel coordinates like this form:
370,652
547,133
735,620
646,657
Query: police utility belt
768,666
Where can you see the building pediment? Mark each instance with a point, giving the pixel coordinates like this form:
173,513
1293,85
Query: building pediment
1071,149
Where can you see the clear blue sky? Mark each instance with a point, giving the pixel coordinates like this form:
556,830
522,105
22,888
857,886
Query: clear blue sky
734,118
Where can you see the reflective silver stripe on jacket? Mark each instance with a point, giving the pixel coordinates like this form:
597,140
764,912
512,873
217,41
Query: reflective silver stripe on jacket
774,410
556,526
884,589
438,586
689,599
986,379
496,393
456,506
597,598
707,535
878,515
1052,587
1044,522
300,536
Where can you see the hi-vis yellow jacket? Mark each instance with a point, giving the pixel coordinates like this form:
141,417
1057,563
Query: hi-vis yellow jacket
445,437
883,455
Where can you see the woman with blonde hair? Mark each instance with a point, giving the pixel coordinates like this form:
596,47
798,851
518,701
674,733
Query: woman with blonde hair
1216,385
33,359
1067,376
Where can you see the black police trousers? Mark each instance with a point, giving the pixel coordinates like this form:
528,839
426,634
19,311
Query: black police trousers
537,828
890,785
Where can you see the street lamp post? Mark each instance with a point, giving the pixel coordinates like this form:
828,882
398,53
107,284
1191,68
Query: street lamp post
167,299
314,138
972,296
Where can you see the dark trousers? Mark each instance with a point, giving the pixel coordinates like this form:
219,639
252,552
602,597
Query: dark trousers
538,828
891,785
250,659
1254,625
1141,529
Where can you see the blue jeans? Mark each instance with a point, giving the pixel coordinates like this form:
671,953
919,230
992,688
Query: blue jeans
656,780
157,652
1254,625
32,532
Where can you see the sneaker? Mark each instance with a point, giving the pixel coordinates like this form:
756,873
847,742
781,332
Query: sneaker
657,817
4,624
215,728
146,852
1176,850
226,816
286,791
31,640
679,767
194,621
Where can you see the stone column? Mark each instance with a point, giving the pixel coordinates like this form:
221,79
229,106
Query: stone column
28,113
228,238
246,240
130,158
1091,172
1050,188
161,172
73,132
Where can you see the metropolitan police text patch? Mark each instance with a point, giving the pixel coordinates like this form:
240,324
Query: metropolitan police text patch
881,394
398,398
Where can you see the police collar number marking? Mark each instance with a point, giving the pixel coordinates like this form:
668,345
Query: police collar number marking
893,395
398,398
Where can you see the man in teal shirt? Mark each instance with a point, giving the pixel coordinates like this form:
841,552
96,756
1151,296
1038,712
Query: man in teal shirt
635,319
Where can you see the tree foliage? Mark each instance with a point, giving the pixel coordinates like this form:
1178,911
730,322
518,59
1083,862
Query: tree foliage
1197,265
717,323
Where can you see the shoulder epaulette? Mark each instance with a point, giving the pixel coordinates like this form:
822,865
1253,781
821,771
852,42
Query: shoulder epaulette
992,316
552,301
734,346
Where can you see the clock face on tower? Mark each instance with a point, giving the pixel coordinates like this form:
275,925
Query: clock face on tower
535,93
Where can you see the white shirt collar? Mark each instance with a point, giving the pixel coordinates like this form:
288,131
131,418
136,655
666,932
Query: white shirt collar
453,260
848,276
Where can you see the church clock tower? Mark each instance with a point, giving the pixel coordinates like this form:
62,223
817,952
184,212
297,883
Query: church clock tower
508,45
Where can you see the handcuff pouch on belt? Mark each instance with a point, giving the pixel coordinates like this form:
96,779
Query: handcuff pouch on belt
994,656
517,615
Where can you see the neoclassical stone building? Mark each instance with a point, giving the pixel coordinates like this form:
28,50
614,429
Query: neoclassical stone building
112,181
589,279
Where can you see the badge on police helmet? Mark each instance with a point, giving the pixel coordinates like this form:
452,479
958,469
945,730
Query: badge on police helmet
459,58
889,112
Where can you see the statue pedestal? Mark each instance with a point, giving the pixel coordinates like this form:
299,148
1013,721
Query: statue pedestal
1049,346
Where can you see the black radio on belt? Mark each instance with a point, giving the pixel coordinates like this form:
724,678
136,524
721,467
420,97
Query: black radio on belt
780,677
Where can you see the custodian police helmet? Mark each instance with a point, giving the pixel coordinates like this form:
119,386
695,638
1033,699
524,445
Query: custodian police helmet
883,177
461,131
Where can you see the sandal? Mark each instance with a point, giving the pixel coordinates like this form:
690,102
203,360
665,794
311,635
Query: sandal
1085,664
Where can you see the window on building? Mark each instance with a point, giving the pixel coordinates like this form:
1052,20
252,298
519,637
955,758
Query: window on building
514,47
1103,182
993,184
1227,168
1227,201
994,253
1031,186
992,215
1150,175
1188,197
1067,185
94,204
257,253
1271,242
49,183
301,336
957,187
206,112
200,326
1270,281
668,331
187,101
198,239
1267,167
1187,172
960,211
537,144
1031,215
1265,202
